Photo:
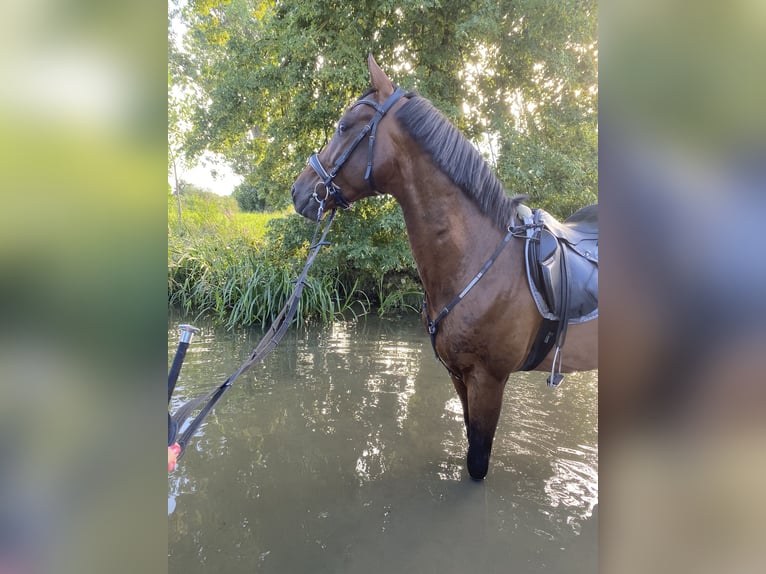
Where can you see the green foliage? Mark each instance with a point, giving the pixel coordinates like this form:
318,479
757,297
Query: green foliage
273,78
265,82
248,198
238,267
369,250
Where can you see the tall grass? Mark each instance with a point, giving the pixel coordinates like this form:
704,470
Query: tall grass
221,264
238,286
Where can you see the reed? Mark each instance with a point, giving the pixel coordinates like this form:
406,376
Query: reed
239,269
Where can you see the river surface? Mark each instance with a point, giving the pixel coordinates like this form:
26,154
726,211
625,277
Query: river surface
343,452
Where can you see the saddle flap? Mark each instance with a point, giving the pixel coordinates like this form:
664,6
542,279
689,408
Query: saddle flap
562,266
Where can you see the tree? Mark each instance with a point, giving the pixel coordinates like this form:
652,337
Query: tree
519,78
179,108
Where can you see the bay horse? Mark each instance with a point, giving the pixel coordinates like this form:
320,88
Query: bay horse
457,214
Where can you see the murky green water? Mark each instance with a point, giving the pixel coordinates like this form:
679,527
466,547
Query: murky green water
343,452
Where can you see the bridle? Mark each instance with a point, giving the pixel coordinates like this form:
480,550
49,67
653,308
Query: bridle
332,190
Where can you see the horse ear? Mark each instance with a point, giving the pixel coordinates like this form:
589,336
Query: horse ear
378,79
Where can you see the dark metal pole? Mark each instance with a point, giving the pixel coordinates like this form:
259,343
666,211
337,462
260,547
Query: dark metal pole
187,332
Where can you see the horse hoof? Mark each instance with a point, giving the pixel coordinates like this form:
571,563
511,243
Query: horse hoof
478,468
478,476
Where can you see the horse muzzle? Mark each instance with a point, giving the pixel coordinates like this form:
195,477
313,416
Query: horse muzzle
304,203
310,196
331,190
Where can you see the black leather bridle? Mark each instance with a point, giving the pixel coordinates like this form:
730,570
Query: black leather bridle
333,191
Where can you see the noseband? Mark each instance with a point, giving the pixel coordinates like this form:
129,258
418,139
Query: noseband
333,191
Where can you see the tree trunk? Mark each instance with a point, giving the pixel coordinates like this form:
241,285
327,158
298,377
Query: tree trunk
178,190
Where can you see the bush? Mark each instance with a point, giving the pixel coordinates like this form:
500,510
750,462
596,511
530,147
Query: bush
239,267
369,252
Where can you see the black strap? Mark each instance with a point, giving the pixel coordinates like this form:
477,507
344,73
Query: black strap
371,128
333,191
266,345
433,326
555,378
544,342
380,111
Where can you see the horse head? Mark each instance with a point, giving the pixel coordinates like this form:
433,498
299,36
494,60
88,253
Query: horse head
359,155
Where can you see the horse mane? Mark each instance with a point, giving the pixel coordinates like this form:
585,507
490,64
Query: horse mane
460,161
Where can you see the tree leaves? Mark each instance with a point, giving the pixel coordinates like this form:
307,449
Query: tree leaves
273,78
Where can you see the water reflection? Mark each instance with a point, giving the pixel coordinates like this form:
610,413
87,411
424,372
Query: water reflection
345,451
548,440
574,483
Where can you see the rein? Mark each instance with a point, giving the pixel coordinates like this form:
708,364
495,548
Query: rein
286,315
267,344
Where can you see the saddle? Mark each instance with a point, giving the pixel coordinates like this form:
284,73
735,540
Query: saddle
562,270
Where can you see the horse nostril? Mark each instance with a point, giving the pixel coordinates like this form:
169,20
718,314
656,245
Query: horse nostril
292,192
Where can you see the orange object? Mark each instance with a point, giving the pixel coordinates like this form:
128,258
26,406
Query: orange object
173,452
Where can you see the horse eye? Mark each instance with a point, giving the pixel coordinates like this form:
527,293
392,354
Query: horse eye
341,128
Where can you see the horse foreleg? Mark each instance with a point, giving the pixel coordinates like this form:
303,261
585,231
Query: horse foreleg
485,397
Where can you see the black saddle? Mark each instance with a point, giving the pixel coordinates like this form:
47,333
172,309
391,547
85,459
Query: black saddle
580,230
562,269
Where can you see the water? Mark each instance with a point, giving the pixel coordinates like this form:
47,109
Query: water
344,451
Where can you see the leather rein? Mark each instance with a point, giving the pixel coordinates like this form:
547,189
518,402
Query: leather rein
286,315
266,345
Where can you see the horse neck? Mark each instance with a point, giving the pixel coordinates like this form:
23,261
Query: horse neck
449,235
